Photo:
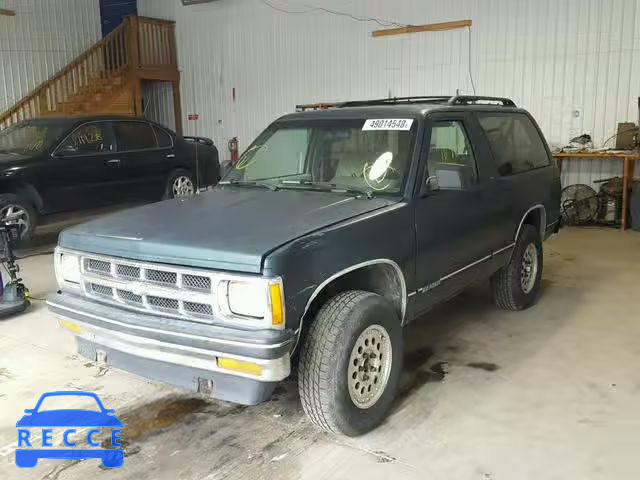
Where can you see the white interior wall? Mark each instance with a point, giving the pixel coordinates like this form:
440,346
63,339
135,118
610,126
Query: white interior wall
158,103
574,64
40,40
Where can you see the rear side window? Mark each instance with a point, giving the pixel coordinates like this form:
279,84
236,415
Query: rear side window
515,142
134,136
164,139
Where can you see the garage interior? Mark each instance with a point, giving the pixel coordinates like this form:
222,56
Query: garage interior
549,392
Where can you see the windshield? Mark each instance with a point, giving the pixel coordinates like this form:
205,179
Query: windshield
28,137
372,155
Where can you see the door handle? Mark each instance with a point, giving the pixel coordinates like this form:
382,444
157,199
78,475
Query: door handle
171,155
114,162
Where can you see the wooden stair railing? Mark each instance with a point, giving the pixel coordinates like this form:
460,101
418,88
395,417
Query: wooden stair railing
139,43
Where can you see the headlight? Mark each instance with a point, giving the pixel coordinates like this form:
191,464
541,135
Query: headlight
259,302
248,299
67,268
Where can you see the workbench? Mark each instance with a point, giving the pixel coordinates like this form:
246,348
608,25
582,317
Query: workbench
628,159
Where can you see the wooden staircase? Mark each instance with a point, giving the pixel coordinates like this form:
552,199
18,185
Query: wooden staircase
107,78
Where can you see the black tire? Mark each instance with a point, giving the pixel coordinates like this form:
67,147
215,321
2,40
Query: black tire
180,172
30,215
325,357
506,284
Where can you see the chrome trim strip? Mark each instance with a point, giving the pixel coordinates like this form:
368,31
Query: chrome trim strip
273,369
412,293
351,268
446,277
549,225
543,220
511,245
177,334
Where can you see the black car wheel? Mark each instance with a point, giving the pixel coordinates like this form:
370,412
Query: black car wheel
180,184
15,210
516,285
350,363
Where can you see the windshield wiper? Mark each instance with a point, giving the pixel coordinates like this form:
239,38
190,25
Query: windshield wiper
368,192
330,187
270,186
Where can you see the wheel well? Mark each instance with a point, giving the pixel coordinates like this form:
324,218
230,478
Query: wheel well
535,217
385,279
25,191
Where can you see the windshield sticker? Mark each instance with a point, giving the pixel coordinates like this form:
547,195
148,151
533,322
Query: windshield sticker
388,124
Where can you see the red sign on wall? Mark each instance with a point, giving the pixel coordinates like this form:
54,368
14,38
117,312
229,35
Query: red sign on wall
193,116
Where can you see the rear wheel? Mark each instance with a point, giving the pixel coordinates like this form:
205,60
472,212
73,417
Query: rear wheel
180,184
15,210
516,285
350,363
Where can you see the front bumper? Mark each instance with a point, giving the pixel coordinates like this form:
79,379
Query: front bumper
176,351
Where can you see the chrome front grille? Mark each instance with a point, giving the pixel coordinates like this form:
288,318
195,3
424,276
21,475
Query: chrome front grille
160,276
128,271
150,287
196,282
97,266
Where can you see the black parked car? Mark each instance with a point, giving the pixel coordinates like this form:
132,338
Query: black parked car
63,164
334,230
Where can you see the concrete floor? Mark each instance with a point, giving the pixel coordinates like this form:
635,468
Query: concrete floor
549,393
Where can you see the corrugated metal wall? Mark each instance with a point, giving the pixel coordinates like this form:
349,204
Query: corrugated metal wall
40,40
575,64
158,103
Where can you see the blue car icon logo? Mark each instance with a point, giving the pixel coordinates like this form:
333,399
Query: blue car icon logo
46,420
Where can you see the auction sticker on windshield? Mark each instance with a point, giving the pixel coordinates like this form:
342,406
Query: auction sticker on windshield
387,124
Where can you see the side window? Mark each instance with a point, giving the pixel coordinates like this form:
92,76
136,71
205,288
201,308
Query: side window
88,139
515,142
451,164
134,136
164,139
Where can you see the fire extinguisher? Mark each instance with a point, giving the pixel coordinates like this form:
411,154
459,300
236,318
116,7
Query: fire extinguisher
233,148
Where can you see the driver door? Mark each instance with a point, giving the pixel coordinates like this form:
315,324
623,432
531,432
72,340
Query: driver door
453,223
82,171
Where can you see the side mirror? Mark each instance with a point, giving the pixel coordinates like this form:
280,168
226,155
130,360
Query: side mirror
431,184
452,176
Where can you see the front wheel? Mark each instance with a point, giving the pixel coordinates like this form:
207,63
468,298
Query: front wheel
15,210
516,285
351,362
180,184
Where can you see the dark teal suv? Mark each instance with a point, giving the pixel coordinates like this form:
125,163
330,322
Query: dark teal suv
339,225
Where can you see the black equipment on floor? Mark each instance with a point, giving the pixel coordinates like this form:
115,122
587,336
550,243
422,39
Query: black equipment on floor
13,295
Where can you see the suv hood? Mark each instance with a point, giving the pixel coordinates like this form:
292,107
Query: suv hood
230,228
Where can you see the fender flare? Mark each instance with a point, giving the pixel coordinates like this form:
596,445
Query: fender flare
349,269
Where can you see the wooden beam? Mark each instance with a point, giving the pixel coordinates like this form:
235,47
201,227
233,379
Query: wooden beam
177,106
7,12
430,27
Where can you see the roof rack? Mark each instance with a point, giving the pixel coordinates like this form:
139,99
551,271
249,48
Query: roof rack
474,100
434,99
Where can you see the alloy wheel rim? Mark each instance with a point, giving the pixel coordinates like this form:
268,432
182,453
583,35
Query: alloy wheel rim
369,366
182,186
529,268
15,214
